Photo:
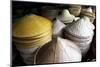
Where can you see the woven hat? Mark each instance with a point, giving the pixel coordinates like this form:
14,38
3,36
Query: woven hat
58,52
75,10
81,28
66,17
89,13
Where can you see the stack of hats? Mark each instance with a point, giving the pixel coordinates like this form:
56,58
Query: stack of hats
80,32
29,33
89,13
75,10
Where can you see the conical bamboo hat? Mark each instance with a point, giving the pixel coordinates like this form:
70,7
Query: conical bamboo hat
81,28
88,12
58,52
30,25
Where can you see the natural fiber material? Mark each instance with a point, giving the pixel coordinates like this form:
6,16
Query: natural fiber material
89,13
34,40
81,33
59,51
29,33
66,17
83,43
32,45
30,25
81,28
32,30
75,10
57,27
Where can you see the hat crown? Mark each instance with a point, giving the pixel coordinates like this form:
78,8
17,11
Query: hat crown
81,28
89,10
31,25
66,16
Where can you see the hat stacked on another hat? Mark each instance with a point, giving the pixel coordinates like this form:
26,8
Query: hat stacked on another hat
29,33
75,10
89,13
81,32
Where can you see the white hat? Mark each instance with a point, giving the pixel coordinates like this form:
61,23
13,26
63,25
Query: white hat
66,17
81,28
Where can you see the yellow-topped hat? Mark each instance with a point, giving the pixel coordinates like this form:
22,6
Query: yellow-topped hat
35,44
30,25
48,35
